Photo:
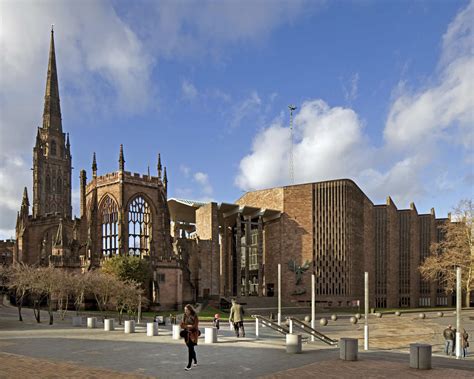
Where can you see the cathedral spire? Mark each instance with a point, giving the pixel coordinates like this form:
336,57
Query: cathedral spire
121,159
52,109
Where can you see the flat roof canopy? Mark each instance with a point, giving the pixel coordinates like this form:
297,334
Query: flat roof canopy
182,210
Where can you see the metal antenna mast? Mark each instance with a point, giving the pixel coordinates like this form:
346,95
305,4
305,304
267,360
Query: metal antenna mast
292,174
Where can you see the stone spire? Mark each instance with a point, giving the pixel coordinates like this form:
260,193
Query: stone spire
94,166
159,165
25,202
68,144
121,159
52,109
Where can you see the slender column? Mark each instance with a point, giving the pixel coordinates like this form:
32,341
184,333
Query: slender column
279,294
366,326
313,303
247,255
458,312
260,255
238,246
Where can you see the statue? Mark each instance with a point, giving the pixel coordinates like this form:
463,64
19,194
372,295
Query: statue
298,270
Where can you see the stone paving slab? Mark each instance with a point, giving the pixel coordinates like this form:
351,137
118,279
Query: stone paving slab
367,368
14,366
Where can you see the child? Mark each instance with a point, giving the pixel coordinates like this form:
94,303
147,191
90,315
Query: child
216,321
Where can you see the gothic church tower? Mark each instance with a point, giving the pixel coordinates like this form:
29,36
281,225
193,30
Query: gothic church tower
52,153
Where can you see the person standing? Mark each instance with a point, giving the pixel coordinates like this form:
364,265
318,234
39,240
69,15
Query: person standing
464,342
216,321
449,336
190,326
237,318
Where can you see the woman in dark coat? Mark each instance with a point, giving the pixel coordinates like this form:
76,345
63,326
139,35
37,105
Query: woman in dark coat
190,324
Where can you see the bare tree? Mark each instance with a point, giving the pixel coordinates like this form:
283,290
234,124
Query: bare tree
456,249
79,286
19,280
103,286
47,285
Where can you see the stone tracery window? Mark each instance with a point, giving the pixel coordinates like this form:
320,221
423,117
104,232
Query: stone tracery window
139,227
59,187
109,227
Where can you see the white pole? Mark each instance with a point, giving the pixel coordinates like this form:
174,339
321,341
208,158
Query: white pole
458,312
139,308
279,294
291,326
366,326
313,304
256,328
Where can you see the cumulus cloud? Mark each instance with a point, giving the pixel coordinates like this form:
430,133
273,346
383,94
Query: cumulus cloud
203,180
330,142
418,115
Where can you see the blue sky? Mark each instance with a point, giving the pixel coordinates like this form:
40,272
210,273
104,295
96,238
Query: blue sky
384,91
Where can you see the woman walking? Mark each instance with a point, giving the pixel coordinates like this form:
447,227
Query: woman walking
190,326
464,342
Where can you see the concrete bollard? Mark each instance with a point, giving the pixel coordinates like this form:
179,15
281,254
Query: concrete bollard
307,318
129,326
151,329
334,317
378,315
210,335
92,322
175,330
440,314
353,320
421,316
358,316
398,313
76,321
420,356
348,349
109,324
293,343
323,321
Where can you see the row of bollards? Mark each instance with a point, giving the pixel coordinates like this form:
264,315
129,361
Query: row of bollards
151,328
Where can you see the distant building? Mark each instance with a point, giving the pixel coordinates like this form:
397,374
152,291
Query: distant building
330,228
207,250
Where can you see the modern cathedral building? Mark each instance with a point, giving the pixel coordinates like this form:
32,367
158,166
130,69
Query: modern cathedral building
209,250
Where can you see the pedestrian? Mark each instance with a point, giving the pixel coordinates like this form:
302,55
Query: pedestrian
464,342
449,337
190,333
216,321
237,318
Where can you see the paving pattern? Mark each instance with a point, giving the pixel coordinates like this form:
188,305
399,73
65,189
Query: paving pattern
36,350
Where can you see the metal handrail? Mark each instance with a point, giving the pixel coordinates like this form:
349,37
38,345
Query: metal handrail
308,329
272,325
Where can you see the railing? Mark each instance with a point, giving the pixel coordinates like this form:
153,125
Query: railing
308,329
269,323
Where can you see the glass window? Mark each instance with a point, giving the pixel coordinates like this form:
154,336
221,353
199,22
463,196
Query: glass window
109,227
139,227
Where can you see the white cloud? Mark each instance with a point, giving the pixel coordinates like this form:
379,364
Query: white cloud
203,180
350,90
246,108
432,112
189,90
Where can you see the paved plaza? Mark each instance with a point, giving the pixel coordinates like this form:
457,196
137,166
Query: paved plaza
29,349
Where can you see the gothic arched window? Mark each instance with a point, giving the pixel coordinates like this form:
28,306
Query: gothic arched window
59,186
139,227
109,226
53,147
